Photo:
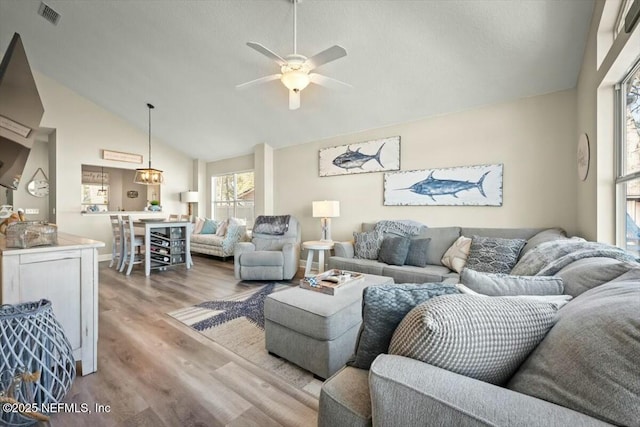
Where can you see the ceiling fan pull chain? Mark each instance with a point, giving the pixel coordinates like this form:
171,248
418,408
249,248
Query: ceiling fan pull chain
295,27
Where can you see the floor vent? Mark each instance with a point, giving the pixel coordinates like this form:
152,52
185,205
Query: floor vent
49,14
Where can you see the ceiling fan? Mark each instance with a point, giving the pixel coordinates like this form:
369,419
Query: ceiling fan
295,69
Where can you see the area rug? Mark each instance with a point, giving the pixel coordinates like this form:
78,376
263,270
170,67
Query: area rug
237,323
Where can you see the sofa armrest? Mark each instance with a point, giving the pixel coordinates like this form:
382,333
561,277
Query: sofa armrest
344,249
291,253
239,249
407,392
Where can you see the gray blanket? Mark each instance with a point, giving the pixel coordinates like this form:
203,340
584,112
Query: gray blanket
275,225
400,227
548,258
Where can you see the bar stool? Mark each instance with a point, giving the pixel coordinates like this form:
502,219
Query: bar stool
117,241
130,255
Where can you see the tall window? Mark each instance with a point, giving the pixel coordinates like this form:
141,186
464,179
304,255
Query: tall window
233,196
628,142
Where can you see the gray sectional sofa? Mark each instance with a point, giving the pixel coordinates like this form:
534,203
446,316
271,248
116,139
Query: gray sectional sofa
583,373
441,239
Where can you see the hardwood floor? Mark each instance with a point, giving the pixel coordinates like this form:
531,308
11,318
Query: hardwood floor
154,371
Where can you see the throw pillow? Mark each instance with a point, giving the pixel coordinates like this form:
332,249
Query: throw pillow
367,244
383,307
456,256
197,228
559,300
476,336
587,273
544,236
394,250
589,360
222,228
497,284
418,252
494,254
209,227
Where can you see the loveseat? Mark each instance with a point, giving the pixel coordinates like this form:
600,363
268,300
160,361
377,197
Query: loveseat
223,238
583,372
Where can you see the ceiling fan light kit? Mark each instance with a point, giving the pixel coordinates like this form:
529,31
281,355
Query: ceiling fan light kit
295,69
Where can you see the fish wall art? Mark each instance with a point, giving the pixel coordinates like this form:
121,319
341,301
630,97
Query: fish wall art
371,156
465,185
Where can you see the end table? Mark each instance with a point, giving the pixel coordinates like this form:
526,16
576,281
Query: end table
320,246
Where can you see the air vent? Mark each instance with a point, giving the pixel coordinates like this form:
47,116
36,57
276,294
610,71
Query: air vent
49,14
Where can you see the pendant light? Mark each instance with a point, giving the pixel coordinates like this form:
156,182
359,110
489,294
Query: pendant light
149,176
102,191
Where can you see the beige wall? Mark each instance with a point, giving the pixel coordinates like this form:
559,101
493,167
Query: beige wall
534,138
604,64
83,129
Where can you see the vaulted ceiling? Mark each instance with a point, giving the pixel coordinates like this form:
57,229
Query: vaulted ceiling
406,60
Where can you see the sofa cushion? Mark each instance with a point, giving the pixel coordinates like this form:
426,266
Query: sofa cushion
393,250
207,239
587,273
367,244
344,399
497,284
411,274
441,239
367,266
262,259
494,254
418,252
589,360
456,256
383,307
476,336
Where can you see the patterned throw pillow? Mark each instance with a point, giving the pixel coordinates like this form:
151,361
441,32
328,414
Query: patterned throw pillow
476,336
367,244
494,254
498,284
383,308
456,256
197,228
394,250
418,252
222,228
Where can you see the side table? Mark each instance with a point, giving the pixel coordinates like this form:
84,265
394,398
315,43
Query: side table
320,246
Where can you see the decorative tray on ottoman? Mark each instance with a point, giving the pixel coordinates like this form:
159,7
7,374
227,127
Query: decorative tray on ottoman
330,281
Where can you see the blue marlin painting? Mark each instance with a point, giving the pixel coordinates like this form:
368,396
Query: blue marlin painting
438,187
479,185
355,159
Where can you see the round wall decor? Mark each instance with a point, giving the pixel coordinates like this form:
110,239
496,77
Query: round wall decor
583,156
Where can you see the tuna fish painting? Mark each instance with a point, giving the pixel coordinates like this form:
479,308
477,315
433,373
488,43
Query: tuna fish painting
371,156
465,185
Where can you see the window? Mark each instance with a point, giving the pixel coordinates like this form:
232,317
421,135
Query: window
622,13
233,196
628,143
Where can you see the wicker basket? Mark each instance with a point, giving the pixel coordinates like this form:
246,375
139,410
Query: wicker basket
32,340
27,234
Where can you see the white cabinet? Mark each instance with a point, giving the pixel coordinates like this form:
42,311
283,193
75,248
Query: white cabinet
66,275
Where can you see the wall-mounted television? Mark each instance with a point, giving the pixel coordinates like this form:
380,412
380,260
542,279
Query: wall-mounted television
20,112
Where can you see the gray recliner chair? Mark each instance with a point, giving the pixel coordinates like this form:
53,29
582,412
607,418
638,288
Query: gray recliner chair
269,256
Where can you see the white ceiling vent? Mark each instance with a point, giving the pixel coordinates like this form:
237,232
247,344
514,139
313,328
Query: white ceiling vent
49,14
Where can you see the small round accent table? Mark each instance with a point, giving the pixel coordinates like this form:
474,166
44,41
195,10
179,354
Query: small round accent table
320,246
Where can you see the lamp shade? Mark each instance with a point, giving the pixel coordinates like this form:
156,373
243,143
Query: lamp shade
189,196
326,209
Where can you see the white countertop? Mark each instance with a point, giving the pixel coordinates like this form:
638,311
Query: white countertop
65,241
145,213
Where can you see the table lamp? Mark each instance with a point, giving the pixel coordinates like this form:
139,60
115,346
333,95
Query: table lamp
189,197
326,210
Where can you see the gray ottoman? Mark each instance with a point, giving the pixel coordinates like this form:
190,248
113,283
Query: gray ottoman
316,331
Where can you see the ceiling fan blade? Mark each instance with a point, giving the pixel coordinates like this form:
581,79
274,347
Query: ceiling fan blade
266,52
328,82
294,100
328,55
258,81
